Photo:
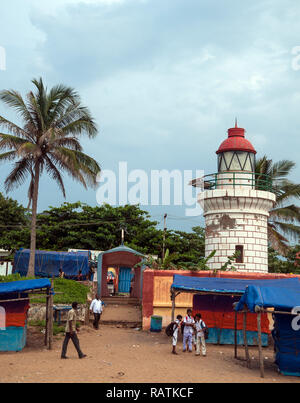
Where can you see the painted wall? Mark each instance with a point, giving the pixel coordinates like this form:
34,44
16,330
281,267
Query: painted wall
156,291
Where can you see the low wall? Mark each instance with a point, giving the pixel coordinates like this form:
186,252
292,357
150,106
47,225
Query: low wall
38,312
156,291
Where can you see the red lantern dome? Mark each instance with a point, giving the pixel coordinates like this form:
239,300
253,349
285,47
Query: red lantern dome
236,141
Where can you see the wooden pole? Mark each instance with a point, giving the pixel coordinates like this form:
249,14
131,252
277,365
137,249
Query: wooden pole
51,317
261,359
47,317
164,236
87,314
245,339
173,304
235,334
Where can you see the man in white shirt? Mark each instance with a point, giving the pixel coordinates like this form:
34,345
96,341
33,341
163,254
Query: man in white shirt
188,331
96,308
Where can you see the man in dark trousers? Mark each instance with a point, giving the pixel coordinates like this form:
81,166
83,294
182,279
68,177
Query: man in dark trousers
71,330
96,308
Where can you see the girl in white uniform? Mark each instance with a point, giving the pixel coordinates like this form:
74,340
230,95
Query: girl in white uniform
175,333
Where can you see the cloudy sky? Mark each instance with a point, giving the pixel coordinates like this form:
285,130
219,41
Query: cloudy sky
164,79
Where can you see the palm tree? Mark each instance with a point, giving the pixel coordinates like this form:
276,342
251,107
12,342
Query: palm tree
284,218
48,141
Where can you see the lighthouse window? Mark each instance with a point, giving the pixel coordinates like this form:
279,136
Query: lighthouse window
236,161
239,250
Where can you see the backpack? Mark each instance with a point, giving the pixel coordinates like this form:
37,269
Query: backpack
205,330
170,329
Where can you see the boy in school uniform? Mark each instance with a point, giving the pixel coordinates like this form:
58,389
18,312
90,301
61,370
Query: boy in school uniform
175,333
200,338
188,331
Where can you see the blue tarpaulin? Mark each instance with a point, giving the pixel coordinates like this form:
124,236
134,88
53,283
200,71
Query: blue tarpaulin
47,264
23,286
286,345
287,296
226,285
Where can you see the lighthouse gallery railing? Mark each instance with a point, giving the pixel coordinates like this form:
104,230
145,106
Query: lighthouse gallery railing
237,179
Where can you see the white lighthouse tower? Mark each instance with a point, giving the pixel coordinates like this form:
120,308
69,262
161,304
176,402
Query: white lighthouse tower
236,204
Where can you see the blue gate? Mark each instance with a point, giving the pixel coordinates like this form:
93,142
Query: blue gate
124,279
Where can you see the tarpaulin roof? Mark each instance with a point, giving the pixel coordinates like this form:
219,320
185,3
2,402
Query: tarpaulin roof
48,263
285,297
24,285
226,285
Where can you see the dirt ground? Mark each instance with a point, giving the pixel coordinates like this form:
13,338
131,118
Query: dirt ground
119,355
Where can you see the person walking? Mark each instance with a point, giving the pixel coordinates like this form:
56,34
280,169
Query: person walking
188,323
96,308
71,329
200,337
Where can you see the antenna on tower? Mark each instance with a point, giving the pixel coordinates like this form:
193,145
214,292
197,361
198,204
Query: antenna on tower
236,123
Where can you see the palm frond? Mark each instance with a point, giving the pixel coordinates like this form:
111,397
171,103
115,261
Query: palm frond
19,174
14,100
277,241
8,141
288,214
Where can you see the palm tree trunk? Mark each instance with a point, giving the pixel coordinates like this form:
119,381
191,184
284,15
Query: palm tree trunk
31,265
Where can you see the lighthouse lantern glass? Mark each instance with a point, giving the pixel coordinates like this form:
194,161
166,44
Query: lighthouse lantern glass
236,161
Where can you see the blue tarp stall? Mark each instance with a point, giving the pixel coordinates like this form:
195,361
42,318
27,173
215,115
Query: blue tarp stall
286,332
47,264
214,298
14,305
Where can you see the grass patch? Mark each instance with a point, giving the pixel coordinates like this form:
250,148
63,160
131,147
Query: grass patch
70,290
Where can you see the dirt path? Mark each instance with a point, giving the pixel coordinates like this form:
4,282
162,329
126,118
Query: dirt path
117,355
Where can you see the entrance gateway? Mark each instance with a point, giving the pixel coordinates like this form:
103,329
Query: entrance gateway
129,267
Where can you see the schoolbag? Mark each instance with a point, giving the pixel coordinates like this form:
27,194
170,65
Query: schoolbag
170,329
205,330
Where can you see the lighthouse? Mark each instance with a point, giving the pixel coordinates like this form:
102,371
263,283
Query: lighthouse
236,203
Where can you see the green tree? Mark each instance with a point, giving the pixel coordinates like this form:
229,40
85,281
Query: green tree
284,218
79,226
47,142
14,224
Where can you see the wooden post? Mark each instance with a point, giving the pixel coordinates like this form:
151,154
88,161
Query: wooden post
173,305
261,358
87,314
47,317
245,339
235,334
51,317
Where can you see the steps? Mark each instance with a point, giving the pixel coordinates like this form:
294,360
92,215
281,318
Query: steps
122,312
120,301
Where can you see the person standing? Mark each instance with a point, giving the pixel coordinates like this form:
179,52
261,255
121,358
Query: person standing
96,308
200,337
71,329
175,333
188,323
